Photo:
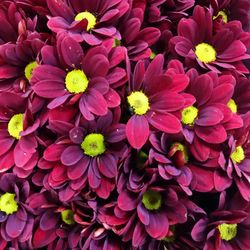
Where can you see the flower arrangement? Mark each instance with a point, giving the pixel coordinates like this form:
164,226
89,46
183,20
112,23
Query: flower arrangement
125,124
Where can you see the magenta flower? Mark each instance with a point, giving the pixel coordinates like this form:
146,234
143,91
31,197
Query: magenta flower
225,48
225,228
234,161
172,158
87,21
57,225
18,62
90,154
76,78
16,218
17,136
153,98
208,119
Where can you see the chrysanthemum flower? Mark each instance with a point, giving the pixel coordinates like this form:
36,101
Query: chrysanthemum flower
209,118
225,228
17,136
152,99
227,10
18,62
235,161
138,39
75,77
57,226
159,10
14,24
225,48
89,21
143,204
172,157
89,154
16,218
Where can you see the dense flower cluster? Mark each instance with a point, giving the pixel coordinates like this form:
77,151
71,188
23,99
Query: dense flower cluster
125,124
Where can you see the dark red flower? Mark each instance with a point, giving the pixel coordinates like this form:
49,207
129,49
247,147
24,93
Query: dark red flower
89,21
76,78
90,154
153,98
16,217
225,228
225,48
17,135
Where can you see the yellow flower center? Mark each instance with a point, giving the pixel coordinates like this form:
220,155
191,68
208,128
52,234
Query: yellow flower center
232,105
8,203
76,81
90,18
223,15
93,144
152,55
139,102
205,53
180,147
188,115
152,200
238,155
68,216
29,69
227,231
15,126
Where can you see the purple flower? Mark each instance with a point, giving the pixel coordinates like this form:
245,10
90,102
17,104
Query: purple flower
89,21
76,78
16,218
153,98
225,48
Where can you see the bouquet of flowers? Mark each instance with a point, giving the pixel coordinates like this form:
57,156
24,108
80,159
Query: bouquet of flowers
125,124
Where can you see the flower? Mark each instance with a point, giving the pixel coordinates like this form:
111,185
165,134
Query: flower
225,228
16,219
172,158
89,154
89,21
211,50
234,161
152,99
76,77
17,135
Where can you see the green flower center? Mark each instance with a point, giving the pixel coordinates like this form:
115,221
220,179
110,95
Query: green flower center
223,15
8,203
116,43
152,200
139,102
29,69
68,216
188,115
232,105
93,144
180,147
76,81
90,18
238,155
15,126
205,53
152,55
227,231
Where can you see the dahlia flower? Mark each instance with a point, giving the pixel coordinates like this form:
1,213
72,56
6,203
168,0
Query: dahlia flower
89,21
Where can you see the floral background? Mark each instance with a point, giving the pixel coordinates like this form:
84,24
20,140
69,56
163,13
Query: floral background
125,124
